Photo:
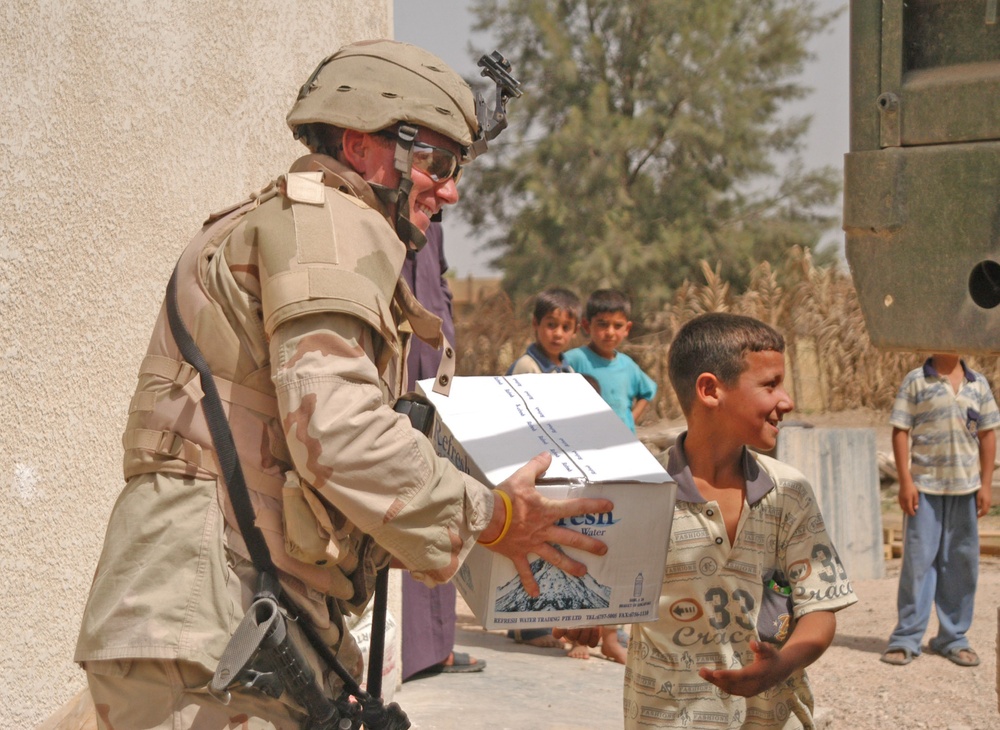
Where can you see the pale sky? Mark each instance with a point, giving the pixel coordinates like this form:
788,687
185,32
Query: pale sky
444,28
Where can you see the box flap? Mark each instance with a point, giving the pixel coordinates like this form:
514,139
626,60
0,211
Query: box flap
504,421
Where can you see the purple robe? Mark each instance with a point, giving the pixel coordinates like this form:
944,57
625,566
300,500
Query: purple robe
428,621
424,272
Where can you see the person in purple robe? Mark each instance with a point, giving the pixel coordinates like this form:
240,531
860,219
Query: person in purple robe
428,620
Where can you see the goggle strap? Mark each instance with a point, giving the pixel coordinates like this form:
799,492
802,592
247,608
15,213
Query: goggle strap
405,136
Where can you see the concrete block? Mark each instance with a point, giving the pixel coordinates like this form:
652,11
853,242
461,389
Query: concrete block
842,467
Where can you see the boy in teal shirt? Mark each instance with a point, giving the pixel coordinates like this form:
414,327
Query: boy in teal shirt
624,386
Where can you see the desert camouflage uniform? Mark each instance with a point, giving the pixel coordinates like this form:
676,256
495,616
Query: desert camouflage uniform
295,301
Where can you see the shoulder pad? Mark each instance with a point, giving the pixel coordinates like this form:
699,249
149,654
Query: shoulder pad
255,199
305,187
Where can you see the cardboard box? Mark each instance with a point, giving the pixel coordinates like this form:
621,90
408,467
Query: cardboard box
491,426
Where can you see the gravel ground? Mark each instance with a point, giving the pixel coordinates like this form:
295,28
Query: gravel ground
855,690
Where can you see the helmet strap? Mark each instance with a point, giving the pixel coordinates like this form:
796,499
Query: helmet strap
403,161
409,234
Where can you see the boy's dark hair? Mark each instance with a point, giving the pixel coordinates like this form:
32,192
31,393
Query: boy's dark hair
608,301
553,298
716,343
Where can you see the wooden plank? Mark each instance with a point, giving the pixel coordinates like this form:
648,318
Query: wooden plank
892,538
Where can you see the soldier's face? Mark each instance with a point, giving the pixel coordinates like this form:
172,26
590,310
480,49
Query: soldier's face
428,196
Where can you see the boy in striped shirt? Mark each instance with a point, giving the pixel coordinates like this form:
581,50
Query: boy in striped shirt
949,414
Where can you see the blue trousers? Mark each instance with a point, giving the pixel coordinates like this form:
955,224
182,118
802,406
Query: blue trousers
940,566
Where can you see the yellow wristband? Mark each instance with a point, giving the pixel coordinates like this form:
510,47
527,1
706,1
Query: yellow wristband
507,520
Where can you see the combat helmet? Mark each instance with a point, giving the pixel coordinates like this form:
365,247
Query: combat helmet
373,85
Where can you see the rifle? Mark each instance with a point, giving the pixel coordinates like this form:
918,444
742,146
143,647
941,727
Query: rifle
262,655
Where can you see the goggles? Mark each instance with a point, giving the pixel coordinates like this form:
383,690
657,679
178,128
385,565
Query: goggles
437,163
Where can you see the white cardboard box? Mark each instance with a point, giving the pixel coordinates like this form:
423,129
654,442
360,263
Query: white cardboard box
491,426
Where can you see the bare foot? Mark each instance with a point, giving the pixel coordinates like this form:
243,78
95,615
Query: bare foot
579,651
611,647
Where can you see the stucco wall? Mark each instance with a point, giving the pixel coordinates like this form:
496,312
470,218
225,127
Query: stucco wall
122,125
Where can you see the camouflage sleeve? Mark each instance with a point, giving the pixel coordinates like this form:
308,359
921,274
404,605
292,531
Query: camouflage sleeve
363,457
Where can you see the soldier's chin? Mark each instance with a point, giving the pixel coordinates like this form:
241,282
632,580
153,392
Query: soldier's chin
420,220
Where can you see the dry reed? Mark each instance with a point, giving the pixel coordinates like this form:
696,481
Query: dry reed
832,365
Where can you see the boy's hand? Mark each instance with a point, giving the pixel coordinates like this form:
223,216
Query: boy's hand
765,671
987,459
812,635
638,409
984,500
533,528
909,498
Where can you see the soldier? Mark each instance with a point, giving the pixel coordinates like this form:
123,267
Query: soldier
294,299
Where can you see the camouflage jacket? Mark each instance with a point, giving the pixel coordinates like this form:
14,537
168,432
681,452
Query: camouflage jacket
295,300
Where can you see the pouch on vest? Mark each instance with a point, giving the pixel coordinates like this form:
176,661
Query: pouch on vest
309,535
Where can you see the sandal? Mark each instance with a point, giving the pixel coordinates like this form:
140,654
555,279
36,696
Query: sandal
962,656
897,655
462,663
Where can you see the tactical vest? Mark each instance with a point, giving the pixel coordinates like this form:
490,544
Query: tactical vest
233,291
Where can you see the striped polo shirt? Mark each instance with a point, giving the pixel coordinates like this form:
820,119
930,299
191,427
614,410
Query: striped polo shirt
944,427
711,600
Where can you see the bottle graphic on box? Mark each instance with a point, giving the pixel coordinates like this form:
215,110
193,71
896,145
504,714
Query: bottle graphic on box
637,588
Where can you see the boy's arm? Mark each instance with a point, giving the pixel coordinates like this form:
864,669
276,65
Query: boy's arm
812,635
643,391
638,408
987,457
908,496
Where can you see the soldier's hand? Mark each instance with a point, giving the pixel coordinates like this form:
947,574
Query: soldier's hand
533,528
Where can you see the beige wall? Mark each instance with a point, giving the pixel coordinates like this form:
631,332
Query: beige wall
122,125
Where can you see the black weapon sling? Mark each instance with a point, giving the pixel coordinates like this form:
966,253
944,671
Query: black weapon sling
232,475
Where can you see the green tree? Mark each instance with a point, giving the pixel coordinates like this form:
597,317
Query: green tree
648,138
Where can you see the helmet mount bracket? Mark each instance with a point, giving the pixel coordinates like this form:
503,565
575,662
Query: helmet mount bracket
496,68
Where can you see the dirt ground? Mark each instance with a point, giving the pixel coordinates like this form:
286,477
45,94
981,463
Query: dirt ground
861,692
853,689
